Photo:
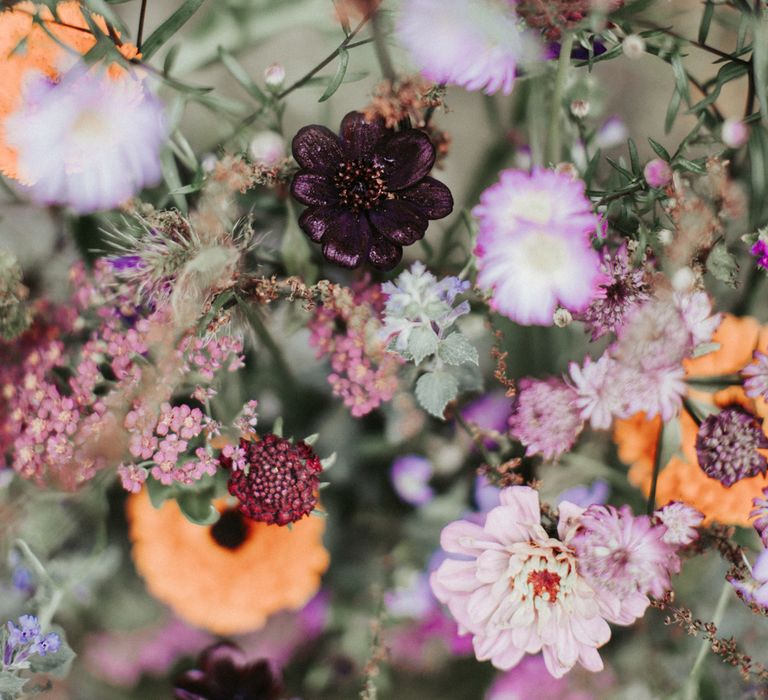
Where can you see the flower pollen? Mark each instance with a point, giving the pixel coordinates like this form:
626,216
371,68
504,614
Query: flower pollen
360,185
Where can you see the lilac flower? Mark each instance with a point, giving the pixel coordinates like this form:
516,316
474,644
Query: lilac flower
755,590
681,521
760,514
486,494
26,639
88,142
489,412
727,446
544,419
756,373
585,496
533,250
367,190
410,478
477,45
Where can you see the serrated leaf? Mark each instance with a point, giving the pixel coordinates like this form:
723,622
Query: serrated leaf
338,78
197,508
56,664
168,28
422,342
457,350
722,264
434,390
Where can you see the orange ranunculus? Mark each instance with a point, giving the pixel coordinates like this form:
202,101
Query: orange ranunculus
682,478
229,577
26,46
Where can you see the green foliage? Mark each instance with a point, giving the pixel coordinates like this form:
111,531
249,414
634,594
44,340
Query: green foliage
435,389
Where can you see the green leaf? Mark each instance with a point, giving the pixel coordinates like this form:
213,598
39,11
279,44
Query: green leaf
339,77
457,350
760,62
422,342
706,21
197,508
722,264
241,76
11,684
54,664
168,28
435,389
670,441
170,59
660,150
634,158
691,165
672,110
158,493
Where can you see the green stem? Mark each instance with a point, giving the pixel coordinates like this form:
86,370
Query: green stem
656,468
563,62
691,690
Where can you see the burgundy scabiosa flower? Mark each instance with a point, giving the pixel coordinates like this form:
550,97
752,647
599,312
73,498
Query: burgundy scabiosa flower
727,444
278,483
367,190
224,673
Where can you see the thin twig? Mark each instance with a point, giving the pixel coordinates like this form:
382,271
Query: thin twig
140,31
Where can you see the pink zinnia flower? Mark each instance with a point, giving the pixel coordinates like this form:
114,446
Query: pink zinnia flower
477,45
533,250
519,591
87,142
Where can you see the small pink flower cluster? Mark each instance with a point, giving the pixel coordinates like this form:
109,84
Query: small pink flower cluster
364,374
519,590
208,355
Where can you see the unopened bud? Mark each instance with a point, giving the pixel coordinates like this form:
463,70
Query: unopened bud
665,236
562,318
267,148
274,75
579,108
633,46
568,169
657,172
735,133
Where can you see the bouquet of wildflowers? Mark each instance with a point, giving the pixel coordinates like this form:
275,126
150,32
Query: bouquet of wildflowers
383,349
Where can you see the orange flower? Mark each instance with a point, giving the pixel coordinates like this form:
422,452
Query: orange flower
682,478
26,46
229,577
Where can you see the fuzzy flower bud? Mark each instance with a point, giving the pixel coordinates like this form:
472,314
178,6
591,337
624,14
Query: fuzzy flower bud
267,148
633,47
657,172
274,75
580,108
735,133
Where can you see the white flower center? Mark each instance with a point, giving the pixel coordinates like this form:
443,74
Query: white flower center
545,253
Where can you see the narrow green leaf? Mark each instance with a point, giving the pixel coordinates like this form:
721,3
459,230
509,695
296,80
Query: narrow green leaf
170,59
706,21
659,150
339,77
168,28
634,158
681,77
672,110
589,173
241,76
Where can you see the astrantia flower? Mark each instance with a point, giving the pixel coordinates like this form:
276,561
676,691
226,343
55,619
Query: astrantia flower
230,576
224,672
681,521
727,446
545,419
280,482
519,591
477,44
88,141
367,190
625,555
533,250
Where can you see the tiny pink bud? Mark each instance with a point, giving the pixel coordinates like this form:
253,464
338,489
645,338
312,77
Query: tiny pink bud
657,172
274,75
734,133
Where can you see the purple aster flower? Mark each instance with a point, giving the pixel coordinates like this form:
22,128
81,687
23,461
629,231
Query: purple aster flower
760,251
624,289
489,412
367,190
727,446
545,420
756,376
224,673
410,477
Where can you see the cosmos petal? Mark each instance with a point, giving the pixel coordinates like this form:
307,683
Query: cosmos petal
384,254
313,190
346,243
317,149
317,221
431,196
399,221
406,158
360,136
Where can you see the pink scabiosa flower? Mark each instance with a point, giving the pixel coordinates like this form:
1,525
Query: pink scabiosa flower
544,419
533,250
476,44
519,591
625,557
88,142
681,521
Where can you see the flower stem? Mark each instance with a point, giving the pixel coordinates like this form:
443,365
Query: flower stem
479,443
563,62
691,690
656,468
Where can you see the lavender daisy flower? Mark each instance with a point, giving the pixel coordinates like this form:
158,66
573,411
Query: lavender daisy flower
88,142
756,376
367,190
727,446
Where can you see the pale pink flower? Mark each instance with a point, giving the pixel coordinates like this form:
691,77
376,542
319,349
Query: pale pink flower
519,591
756,376
696,310
657,172
533,250
599,397
132,477
681,521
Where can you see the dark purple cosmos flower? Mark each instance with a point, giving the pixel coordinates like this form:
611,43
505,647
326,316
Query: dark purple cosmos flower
367,190
224,673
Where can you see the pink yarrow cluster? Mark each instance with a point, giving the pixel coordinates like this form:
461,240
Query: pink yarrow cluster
517,590
364,375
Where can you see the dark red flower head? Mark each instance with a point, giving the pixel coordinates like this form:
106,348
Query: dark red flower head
224,673
281,480
367,190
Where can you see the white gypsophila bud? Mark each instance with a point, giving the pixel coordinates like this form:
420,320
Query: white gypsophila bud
735,133
633,46
274,75
208,163
267,148
580,108
665,236
562,318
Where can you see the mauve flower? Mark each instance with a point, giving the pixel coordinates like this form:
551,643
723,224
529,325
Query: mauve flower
681,521
657,172
760,515
367,190
224,673
754,591
519,591
410,476
756,376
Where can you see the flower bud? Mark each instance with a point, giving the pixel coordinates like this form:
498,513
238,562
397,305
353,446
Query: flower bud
633,46
734,133
657,172
274,76
267,148
580,108
562,318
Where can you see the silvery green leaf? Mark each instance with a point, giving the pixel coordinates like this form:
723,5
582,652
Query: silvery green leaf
422,343
435,389
56,664
457,350
722,264
197,508
705,349
10,684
